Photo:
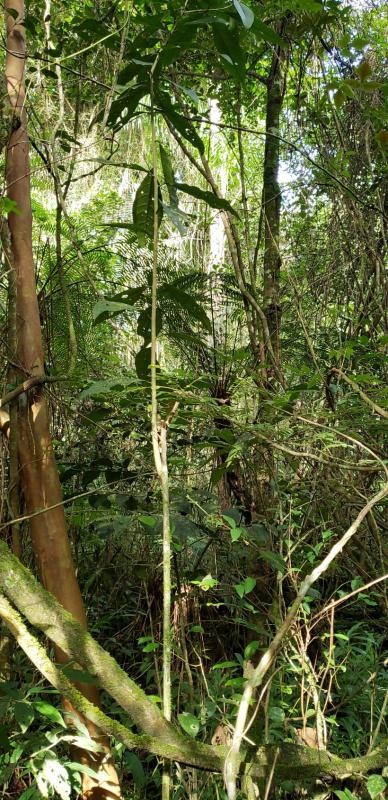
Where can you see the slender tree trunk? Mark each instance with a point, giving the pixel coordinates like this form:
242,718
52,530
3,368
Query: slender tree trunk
272,200
38,471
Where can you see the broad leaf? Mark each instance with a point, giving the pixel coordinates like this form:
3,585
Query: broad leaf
182,125
143,363
231,54
49,711
208,197
168,174
245,587
189,723
143,208
106,309
376,785
246,14
24,714
134,766
125,106
268,34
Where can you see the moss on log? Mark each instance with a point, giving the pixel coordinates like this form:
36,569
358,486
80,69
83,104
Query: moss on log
301,764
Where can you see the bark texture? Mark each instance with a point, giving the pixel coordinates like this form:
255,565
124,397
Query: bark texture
272,199
38,471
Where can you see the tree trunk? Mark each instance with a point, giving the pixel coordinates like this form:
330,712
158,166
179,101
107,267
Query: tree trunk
272,199
38,471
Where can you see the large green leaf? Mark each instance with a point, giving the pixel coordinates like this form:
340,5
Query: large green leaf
178,43
143,363
49,711
268,34
133,764
208,197
125,106
376,786
189,723
246,14
182,125
144,323
228,46
24,714
275,559
106,309
168,174
143,208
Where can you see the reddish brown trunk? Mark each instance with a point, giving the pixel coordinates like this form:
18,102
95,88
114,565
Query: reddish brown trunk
38,471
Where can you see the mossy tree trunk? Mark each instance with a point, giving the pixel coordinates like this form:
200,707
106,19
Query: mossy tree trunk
304,765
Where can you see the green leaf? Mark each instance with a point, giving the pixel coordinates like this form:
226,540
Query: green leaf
151,647
49,711
246,14
84,743
189,723
179,218
181,124
230,521
9,206
276,714
143,208
249,585
376,785
75,766
12,12
228,46
79,676
107,309
259,533
124,107
245,587
30,793
144,323
143,363
147,520
251,649
236,533
363,71
5,744
105,387
24,714
207,197
207,583
168,174
268,34
134,766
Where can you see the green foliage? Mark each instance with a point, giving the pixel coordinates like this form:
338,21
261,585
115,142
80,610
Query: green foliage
265,476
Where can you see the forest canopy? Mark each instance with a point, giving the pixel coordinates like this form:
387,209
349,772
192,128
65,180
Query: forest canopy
193,306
